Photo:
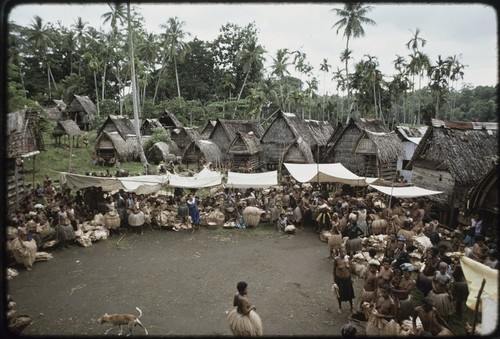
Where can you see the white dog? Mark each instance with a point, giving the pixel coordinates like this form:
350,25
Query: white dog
122,319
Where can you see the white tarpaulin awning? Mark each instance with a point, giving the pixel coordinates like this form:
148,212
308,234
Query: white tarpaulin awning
333,172
205,178
405,192
253,180
142,184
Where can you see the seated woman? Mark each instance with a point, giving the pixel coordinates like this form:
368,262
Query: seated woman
23,250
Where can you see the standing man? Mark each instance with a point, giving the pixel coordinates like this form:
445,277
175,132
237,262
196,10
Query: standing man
342,281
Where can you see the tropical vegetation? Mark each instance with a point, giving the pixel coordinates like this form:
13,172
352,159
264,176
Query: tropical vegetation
226,77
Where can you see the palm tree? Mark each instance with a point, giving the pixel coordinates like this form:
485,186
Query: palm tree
80,36
352,20
250,56
438,75
279,68
325,68
456,73
176,49
148,51
415,41
40,37
15,56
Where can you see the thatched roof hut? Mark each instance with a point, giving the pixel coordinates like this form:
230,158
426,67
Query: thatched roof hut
225,131
118,123
333,138
380,152
149,125
23,134
184,136
133,148
69,128
109,145
54,110
82,110
169,120
199,149
452,157
162,152
285,129
207,130
343,148
298,152
245,151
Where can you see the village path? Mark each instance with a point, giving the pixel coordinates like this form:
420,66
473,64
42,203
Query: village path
184,284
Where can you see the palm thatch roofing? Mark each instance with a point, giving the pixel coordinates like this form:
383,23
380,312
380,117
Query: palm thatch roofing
412,134
118,123
148,126
161,150
67,127
54,110
205,148
209,127
466,149
112,140
244,144
21,132
169,120
133,148
298,152
82,105
231,127
335,135
320,131
484,195
297,125
386,146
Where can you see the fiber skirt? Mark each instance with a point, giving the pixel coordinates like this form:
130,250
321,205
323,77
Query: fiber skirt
405,310
443,303
64,232
346,291
244,325
354,245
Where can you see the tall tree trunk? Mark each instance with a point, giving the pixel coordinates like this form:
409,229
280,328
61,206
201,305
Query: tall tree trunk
103,81
239,94
134,92
177,78
48,80
96,93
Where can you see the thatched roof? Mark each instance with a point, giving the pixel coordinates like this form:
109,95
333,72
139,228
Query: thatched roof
68,127
320,131
82,102
335,135
106,140
299,127
169,120
244,143
465,149
388,147
231,127
209,149
118,123
301,147
54,110
133,148
412,134
205,132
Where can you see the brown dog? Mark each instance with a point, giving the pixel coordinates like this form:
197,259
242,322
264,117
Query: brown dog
122,319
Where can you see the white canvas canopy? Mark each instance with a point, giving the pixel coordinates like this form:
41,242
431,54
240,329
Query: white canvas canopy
142,184
205,178
333,172
253,180
405,192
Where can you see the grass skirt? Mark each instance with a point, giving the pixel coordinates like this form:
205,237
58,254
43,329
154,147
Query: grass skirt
25,253
406,309
64,232
244,325
443,303
354,245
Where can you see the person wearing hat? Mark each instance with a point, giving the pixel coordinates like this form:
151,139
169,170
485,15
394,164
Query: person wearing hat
402,291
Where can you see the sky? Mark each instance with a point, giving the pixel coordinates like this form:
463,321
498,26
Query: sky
465,30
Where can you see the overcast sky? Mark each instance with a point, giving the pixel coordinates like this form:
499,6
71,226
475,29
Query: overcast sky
468,31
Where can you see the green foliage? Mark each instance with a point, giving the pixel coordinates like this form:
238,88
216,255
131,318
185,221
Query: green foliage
159,134
109,107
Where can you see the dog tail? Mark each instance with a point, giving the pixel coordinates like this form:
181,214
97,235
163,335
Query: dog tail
140,312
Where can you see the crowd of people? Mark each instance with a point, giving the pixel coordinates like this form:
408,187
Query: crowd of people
343,211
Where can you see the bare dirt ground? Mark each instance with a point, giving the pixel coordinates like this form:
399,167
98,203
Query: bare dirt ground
184,284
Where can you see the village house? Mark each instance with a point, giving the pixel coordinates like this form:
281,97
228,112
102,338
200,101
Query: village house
410,137
81,110
67,128
245,151
184,136
453,157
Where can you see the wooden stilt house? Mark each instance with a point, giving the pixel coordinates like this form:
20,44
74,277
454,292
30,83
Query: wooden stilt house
81,110
67,128
184,136
202,149
245,151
